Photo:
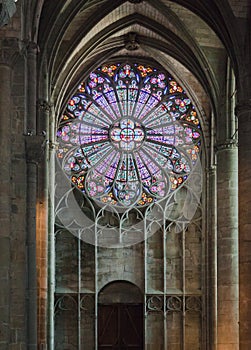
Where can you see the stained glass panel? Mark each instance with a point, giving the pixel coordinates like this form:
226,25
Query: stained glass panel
130,135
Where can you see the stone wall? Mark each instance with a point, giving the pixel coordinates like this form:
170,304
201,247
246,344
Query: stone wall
172,287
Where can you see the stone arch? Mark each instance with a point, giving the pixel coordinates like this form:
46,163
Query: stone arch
120,291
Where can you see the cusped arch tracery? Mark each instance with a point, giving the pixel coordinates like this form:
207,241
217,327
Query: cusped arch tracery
129,136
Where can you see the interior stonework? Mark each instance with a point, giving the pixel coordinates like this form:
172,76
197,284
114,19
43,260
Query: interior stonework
179,284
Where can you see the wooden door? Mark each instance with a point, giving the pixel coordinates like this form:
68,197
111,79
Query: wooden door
120,326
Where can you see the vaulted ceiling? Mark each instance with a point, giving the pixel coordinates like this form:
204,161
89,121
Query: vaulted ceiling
193,39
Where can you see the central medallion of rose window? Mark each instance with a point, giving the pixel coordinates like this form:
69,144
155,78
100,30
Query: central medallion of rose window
127,135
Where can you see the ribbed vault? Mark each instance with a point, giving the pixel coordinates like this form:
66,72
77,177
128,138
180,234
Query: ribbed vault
77,36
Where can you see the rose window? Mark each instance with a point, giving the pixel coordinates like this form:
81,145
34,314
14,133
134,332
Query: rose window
130,135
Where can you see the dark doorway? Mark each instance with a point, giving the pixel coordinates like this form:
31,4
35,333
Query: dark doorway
121,326
120,317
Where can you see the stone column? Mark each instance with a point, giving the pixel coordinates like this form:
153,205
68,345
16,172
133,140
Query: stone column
243,112
227,247
42,226
227,220
8,54
212,254
211,245
51,232
31,51
33,153
5,190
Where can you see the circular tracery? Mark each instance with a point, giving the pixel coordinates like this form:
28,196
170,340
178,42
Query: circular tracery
129,136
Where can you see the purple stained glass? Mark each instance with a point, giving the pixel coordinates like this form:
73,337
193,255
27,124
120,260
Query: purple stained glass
129,135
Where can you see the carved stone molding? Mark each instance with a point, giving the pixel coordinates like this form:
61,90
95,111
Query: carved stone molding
87,303
28,47
9,51
174,303
211,169
66,302
193,303
131,41
44,105
35,147
228,144
70,303
155,303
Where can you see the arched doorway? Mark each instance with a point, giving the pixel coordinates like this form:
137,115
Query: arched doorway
120,317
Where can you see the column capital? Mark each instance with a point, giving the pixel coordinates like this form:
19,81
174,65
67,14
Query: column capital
227,145
35,147
28,47
9,51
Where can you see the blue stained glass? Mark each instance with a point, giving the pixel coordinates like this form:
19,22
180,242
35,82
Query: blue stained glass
151,165
132,98
92,149
95,158
100,99
112,100
122,96
142,100
129,135
103,167
89,139
151,103
112,169
126,72
97,118
122,170
160,159
143,170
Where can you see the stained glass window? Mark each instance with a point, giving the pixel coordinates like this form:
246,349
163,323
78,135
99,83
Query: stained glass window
130,135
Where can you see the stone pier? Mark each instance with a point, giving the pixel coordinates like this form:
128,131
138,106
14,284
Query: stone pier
5,190
227,247
243,112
